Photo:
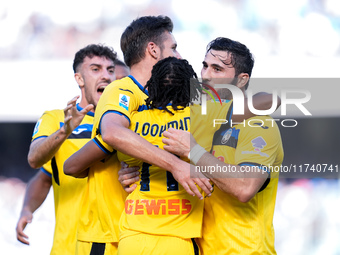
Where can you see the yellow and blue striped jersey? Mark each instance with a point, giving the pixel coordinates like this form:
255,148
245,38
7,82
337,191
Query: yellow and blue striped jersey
104,198
233,227
67,190
159,205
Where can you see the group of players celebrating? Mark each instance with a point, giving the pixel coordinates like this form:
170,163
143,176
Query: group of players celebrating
120,161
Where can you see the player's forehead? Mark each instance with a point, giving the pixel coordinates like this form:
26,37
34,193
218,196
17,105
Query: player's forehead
98,60
218,57
169,39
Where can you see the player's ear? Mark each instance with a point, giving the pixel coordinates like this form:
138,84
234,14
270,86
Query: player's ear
242,80
153,50
79,79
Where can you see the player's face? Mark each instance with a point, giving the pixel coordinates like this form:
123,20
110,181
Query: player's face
217,69
97,73
169,47
121,72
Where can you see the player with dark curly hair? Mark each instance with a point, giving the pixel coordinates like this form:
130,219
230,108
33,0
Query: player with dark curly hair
159,214
169,83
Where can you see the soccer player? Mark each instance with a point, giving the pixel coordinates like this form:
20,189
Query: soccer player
238,217
144,42
160,215
57,135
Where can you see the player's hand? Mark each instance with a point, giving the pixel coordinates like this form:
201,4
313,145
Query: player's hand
182,176
177,142
25,217
128,176
202,181
73,117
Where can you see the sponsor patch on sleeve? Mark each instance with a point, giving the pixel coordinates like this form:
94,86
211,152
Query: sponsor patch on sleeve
124,101
36,128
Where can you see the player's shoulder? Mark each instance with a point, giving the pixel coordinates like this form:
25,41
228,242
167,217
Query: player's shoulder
56,113
126,85
260,125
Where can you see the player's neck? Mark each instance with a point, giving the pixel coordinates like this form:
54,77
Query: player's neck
141,72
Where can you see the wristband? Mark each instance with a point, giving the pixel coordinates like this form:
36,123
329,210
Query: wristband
196,153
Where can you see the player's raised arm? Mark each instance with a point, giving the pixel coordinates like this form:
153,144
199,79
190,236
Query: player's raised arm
43,149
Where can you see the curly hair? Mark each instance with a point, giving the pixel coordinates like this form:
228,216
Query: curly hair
172,81
91,51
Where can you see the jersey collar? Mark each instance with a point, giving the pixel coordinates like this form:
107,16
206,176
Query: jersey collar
89,113
139,85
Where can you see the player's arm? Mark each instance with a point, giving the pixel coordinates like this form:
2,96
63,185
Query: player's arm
77,165
115,132
237,183
36,192
43,149
261,101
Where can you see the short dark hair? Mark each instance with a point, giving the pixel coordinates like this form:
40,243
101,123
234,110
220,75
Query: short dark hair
241,58
91,51
172,81
139,33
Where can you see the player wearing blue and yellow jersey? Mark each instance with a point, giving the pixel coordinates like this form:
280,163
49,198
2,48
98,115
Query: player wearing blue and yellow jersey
160,210
122,97
238,216
66,204
144,42
247,227
57,135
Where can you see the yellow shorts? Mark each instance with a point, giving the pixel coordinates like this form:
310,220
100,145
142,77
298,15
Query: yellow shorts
145,244
87,248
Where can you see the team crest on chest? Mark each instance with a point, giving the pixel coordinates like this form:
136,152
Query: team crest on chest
226,136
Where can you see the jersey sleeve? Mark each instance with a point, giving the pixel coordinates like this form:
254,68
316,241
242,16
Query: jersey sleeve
205,122
98,140
119,98
47,168
48,123
260,146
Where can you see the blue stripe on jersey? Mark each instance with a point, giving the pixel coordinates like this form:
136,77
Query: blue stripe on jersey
45,172
95,140
119,113
172,184
79,108
142,108
126,90
145,107
145,177
81,132
145,91
231,113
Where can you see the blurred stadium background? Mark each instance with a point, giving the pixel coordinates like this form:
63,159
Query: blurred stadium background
290,39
